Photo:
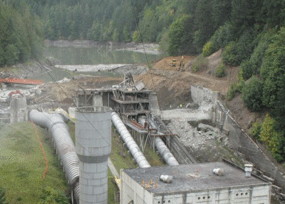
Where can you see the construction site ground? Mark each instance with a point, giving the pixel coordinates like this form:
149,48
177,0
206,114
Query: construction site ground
172,88
171,85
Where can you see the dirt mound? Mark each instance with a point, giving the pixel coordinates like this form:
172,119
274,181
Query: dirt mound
173,86
172,63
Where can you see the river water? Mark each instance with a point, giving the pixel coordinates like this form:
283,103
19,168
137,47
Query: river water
90,59
103,54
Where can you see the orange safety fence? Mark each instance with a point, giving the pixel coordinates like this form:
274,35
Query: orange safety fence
21,81
43,151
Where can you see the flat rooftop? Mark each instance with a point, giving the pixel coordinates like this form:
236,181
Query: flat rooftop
194,177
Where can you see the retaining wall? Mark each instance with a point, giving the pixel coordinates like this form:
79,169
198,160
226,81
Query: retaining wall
222,118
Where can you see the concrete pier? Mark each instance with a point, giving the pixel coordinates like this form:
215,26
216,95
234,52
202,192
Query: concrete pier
18,109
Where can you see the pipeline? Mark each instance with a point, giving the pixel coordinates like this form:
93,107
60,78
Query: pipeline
160,145
131,144
165,153
63,144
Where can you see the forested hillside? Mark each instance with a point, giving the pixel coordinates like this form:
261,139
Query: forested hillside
21,36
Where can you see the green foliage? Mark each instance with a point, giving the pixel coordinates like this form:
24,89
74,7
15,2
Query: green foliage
20,33
200,63
148,26
208,48
205,28
266,129
94,32
3,196
221,12
231,92
241,82
136,36
180,36
237,51
255,130
223,35
274,140
248,68
220,70
22,164
275,13
51,196
228,20
246,14
126,34
252,94
230,54
273,75
164,42
252,66
116,35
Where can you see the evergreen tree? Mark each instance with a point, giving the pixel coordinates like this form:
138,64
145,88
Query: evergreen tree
204,23
181,37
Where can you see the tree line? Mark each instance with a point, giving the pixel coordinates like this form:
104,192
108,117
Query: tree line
20,33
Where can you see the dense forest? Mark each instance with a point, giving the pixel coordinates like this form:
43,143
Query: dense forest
21,34
250,32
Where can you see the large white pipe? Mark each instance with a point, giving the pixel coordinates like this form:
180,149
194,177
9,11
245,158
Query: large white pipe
62,140
128,139
161,147
165,153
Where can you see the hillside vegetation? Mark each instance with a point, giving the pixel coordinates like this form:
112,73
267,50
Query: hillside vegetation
21,35
22,167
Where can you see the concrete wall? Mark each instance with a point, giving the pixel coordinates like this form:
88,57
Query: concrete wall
133,191
97,100
200,94
223,119
242,195
18,109
154,106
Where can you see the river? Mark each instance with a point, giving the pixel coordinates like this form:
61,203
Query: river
89,59
103,54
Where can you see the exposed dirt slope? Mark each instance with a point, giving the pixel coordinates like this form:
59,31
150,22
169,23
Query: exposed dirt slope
173,86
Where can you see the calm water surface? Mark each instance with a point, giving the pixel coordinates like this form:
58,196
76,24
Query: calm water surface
99,55
91,56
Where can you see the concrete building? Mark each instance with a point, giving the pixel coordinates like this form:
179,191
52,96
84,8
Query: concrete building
192,184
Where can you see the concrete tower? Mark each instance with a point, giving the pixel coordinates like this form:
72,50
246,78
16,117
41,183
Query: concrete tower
18,108
93,147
